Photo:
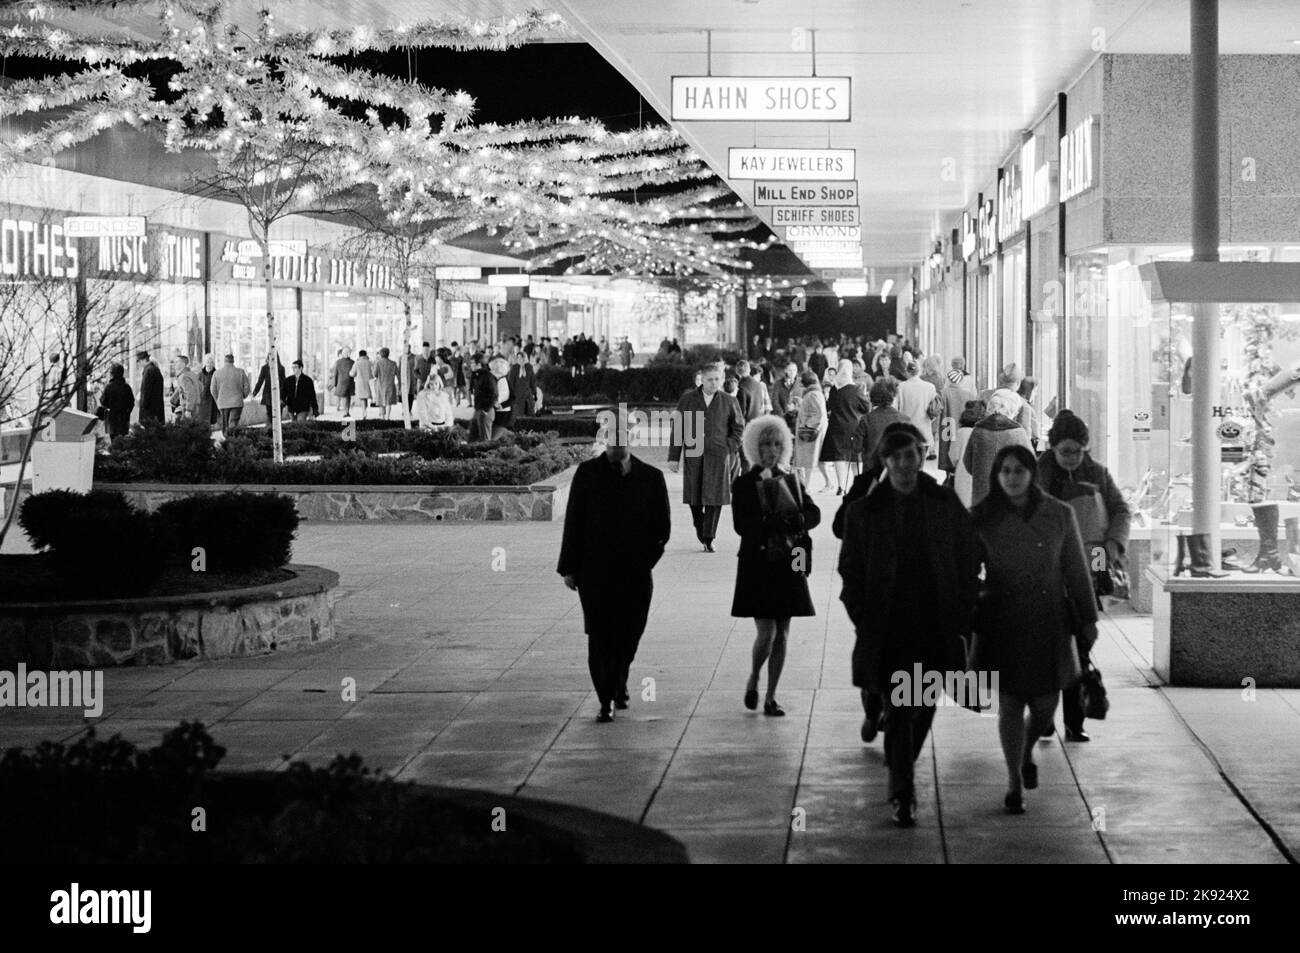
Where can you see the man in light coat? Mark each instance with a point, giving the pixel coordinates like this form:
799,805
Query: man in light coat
186,390
915,398
707,425
229,388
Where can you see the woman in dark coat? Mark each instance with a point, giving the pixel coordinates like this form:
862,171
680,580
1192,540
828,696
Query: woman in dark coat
1037,592
1066,472
117,402
770,590
341,381
207,406
845,407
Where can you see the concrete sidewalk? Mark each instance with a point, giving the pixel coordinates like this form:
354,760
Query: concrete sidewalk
470,669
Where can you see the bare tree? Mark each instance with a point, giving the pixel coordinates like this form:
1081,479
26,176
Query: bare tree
58,337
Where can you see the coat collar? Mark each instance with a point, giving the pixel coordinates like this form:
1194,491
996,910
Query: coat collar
927,488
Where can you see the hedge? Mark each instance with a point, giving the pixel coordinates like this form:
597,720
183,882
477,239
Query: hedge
560,426
662,383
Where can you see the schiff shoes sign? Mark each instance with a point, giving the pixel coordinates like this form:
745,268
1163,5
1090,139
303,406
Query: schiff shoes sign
24,689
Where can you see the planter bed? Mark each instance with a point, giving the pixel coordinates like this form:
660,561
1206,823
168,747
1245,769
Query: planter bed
432,504
228,623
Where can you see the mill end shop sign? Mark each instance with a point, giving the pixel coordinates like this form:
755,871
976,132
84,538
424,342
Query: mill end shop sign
823,165
760,98
800,193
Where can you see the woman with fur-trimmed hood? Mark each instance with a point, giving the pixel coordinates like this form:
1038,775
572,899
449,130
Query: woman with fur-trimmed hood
771,511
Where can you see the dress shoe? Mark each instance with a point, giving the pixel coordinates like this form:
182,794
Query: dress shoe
751,699
709,548
605,716
904,811
869,730
1076,734
1048,731
621,703
1029,774
1014,803
770,707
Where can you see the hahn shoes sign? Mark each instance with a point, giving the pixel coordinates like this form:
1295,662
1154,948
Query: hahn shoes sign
759,98
799,193
801,215
831,165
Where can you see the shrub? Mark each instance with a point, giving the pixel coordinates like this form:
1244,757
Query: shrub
178,452
560,426
100,542
237,531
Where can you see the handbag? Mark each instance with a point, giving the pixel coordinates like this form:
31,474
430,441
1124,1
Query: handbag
1093,695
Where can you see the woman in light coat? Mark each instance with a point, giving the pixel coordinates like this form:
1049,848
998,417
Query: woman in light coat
997,430
1037,600
811,416
385,384
771,587
433,405
363,373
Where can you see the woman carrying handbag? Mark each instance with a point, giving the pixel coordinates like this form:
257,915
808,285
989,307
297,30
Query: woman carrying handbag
1036,607
772,515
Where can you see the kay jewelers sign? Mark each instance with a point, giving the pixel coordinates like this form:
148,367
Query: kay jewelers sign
814,215
831,165
760,98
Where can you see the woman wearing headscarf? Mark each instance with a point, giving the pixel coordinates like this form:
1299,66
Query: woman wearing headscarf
1036,602
998,429
845,407
1068,473
810,428
770,511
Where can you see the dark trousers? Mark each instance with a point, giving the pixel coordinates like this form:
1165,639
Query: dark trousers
705,519
230,418
480,425
906,727
609,658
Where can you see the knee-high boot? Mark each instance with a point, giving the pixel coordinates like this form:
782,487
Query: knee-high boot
1198,551
1293,545
1181,565
1266,525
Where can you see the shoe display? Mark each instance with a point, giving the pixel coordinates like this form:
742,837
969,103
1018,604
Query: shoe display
1014,803
904,811
1292,554
1078,735
770,707
1198,552
1180,566
1029,775
1266,515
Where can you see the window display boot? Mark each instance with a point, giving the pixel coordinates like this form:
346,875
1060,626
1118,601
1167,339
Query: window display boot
1293,545
1181,565
1266,525
1198,552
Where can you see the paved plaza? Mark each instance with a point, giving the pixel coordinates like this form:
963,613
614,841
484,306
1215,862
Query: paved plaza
470,669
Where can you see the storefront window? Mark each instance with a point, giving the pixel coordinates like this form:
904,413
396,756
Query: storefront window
1010,349
1089,353
239,324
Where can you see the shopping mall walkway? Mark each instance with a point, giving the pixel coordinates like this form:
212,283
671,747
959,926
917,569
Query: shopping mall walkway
469,661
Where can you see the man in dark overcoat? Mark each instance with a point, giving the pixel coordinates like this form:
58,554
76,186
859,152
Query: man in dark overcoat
615,529
523,386
910,566
151,389
706,429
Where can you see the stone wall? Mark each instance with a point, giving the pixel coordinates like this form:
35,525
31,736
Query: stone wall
146,631
431,504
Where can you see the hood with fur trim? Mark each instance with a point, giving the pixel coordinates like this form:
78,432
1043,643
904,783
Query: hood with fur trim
754,431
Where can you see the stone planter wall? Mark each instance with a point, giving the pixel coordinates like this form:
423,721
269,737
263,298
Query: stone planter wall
418,504
145,631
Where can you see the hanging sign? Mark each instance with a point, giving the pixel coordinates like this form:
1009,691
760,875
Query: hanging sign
457,273
1038,180
104,226
1079,159
759,98
986,237
814,215
825,246
1009,195
798,233
833,165
799,193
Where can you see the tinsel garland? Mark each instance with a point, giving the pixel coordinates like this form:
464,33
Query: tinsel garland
1258,328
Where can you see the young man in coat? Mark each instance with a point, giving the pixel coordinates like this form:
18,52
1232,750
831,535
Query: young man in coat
185,389
483,398
300,395
151,389
708,425
229,388
910,566
615,529
263,385
523,386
